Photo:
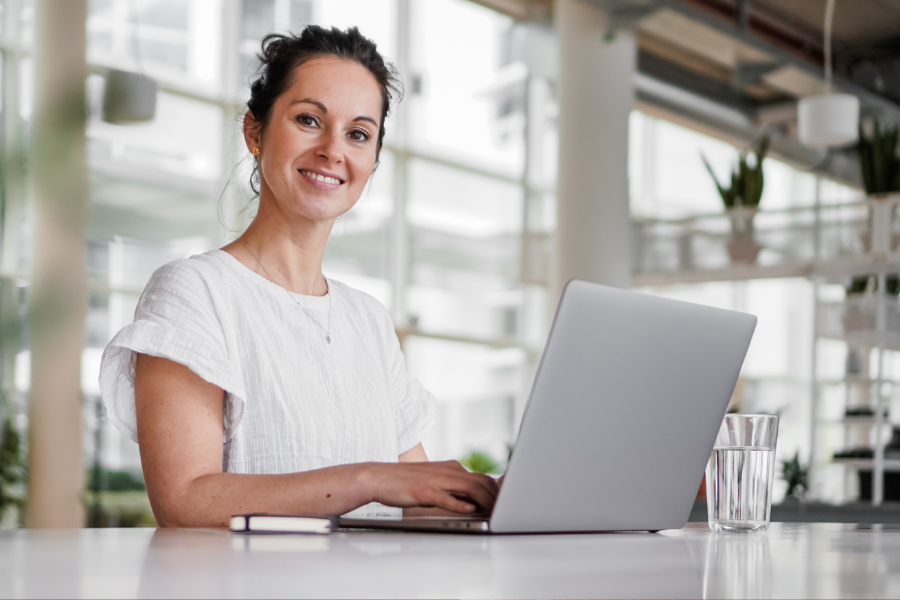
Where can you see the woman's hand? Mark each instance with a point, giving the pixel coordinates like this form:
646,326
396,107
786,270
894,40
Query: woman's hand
447,485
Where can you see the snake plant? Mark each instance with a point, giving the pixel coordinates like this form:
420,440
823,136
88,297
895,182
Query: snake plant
746,181
878,158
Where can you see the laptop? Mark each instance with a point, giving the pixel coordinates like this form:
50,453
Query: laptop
621,420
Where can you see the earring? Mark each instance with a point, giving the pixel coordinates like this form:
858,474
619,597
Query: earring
255,151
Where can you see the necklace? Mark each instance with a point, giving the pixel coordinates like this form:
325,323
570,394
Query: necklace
327,293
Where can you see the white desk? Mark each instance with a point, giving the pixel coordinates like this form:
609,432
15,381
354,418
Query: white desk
790,560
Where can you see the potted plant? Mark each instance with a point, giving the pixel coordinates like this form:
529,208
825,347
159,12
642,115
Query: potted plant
861,307
12,472
741,200
796,476
880,167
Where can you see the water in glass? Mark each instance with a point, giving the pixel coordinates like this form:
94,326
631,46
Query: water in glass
739,486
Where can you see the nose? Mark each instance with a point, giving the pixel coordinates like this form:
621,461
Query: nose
331,146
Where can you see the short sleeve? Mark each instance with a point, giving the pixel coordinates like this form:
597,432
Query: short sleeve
176,318
414,406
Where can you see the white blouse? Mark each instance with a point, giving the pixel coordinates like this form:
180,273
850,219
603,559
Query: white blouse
293,401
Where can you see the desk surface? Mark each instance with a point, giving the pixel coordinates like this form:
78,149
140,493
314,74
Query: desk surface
791,560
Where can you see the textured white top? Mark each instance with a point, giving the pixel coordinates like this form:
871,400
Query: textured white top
293,402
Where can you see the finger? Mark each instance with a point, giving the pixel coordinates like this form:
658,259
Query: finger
452,503
485,481
489,487
473,490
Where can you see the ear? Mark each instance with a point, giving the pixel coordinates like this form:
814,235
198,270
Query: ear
252,131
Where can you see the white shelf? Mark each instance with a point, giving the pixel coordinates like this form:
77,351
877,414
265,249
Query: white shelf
854,381
854,421
890,464
889,340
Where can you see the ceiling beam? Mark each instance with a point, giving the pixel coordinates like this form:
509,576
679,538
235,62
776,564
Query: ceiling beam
524,11
700,12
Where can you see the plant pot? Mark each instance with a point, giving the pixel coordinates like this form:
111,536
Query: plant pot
742,246
861,313
743,249
879,238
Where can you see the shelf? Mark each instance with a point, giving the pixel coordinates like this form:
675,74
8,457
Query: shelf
889,340
890,464
854,421
855,381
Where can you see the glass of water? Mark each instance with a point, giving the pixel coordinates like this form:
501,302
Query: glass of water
740,473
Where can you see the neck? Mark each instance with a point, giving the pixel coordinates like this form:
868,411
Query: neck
286,251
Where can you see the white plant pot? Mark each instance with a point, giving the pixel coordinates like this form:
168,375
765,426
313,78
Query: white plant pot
880,240
742,246
861,313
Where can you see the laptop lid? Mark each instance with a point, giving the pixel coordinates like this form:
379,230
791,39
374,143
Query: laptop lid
623,413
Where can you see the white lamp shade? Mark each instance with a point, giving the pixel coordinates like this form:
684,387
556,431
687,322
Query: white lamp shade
828,120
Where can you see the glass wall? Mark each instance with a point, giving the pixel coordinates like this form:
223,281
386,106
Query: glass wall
438,236
452,234
668,180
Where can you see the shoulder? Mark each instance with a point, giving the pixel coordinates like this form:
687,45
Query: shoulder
187,287
361,302
201,270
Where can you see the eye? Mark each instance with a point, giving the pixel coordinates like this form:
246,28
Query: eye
359,135
307,120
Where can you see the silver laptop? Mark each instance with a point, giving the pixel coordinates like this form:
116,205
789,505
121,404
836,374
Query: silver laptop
622,417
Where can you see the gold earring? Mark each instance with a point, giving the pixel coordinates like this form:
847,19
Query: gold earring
255,151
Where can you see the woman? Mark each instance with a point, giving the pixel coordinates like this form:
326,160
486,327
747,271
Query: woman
252,382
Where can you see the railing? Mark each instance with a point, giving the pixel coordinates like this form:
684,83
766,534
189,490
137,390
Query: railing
831,239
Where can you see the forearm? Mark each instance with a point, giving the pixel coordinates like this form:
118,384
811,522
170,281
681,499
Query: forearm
211,500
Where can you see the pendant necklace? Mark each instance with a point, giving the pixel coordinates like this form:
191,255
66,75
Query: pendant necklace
327,293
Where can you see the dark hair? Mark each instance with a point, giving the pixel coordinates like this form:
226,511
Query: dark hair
283,53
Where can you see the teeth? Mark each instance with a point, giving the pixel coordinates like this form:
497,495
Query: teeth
318,177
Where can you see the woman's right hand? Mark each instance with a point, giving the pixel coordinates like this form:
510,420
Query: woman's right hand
447,485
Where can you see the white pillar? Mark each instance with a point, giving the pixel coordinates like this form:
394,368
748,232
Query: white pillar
399,245
58,298
595,100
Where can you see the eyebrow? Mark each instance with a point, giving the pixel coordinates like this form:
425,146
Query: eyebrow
325,110
365,118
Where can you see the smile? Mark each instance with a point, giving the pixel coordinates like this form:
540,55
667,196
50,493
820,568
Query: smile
319,177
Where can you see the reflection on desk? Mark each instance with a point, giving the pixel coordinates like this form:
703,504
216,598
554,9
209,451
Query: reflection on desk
790,560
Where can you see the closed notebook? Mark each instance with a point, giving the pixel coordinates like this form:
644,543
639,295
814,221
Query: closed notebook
264,523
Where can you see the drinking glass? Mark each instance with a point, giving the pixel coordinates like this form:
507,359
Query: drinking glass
740,472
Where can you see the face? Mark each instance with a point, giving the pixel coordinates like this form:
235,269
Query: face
319,148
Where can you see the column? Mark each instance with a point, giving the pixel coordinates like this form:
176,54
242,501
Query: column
58,295
595,100
13,192
399,248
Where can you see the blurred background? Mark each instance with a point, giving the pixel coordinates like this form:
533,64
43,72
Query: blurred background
458,231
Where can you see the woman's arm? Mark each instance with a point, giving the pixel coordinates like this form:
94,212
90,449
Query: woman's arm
414,454
180,429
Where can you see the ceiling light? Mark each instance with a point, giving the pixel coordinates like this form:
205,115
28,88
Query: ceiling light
828,120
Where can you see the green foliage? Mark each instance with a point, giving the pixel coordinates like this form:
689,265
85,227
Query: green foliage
796,476
12,469
121,509
114,481
878,158
480,462
746,181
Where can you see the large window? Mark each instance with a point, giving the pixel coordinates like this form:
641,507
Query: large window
668,180
450,234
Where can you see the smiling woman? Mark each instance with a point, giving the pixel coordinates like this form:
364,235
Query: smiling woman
252,382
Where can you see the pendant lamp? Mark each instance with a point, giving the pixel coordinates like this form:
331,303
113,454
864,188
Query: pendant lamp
828,120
